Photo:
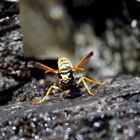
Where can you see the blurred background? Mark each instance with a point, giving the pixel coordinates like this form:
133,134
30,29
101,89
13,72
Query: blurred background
72,28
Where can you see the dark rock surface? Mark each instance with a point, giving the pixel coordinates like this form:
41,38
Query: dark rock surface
13,71
113,113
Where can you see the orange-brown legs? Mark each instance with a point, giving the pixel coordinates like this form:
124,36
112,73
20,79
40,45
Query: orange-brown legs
47,94
84,79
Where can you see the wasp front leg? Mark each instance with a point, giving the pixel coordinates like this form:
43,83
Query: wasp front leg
47,94
84,79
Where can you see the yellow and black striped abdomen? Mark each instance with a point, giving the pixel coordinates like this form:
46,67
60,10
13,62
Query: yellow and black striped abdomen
64,64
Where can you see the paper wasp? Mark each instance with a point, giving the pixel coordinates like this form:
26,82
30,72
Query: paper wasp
65,74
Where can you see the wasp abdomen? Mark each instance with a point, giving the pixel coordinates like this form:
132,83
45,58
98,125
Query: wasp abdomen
64,64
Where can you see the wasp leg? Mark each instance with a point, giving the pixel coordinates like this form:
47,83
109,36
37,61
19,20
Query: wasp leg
83,79
47,94
95,82
64,94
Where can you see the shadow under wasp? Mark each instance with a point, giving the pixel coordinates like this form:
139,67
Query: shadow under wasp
65,74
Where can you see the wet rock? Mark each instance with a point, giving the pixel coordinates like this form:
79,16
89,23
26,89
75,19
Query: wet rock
13,69
112,113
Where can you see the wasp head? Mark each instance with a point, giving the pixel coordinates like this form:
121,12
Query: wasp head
65,76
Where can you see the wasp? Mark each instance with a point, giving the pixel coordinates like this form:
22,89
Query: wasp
65,74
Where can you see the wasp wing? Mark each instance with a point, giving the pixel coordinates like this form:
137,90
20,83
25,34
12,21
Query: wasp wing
83,60
41,66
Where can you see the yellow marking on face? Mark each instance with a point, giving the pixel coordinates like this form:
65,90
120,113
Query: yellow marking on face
65,76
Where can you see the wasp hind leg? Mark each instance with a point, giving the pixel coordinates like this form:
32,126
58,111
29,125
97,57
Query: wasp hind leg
47,94
84,79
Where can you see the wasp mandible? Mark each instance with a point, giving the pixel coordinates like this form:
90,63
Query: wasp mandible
65,74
